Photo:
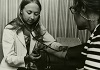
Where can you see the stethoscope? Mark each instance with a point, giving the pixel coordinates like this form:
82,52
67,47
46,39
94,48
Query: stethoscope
45,46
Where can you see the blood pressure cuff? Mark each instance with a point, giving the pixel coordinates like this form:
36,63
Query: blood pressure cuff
74,56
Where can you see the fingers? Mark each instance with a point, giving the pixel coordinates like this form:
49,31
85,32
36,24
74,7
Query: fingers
35,58
63,48
32,66
35,55
31,58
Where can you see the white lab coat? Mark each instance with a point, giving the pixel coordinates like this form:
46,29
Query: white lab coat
14,47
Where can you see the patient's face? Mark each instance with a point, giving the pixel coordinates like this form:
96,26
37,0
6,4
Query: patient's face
81,23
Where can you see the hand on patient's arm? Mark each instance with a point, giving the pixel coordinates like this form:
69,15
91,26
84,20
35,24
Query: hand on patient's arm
57,50
63,48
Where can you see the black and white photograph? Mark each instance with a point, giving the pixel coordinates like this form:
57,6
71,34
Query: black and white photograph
49,34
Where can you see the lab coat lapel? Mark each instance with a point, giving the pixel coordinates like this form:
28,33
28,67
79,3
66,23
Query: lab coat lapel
21,38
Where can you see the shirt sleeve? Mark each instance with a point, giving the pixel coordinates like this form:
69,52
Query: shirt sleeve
9,49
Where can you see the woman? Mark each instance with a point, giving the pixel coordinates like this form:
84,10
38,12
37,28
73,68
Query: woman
21,37
87,16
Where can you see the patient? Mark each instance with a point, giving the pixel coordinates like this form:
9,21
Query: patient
87,16
22,38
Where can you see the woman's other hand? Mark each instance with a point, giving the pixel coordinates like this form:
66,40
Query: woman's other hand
31,58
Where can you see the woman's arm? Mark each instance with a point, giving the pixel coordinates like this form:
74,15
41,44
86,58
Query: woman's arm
54,48
9,49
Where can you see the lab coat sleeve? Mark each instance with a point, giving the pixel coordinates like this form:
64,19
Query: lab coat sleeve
49,40
9,49
53,46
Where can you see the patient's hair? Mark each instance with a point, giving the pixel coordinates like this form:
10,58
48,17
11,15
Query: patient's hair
89,5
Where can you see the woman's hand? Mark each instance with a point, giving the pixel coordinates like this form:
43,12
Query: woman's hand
31,58
63,48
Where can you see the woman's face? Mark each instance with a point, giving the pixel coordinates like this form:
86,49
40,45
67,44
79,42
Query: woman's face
30,13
